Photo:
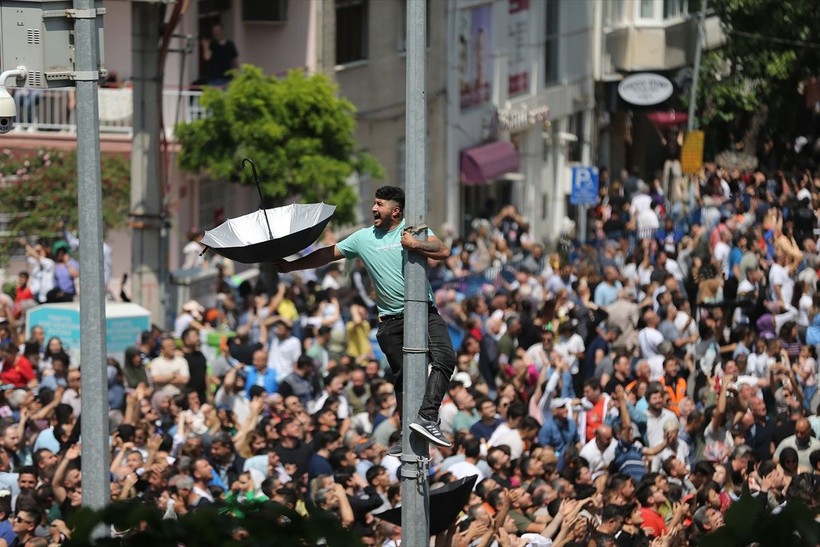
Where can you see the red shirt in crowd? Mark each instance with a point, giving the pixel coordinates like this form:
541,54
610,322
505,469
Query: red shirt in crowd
653,523
17,371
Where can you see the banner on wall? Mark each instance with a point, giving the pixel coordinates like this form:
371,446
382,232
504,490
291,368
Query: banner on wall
475,71
519,34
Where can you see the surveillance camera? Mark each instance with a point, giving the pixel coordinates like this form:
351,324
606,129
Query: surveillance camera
8,108
8,111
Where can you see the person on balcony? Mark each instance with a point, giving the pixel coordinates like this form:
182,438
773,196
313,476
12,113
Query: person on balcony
219,56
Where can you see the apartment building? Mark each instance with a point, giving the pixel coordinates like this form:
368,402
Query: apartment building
647,38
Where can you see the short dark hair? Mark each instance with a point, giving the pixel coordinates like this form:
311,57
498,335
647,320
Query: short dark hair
305,361
611,511
644,492
516,410
593,383
653,388
472,447
28,470
373,472
391,193
325,438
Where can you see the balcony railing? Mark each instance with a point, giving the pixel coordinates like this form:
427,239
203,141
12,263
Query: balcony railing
44,110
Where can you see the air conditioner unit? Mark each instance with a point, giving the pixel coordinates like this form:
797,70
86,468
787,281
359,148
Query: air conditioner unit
264,11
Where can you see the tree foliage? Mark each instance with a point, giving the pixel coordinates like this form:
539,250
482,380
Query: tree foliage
748,522
753,82
296,129
140,524
38,191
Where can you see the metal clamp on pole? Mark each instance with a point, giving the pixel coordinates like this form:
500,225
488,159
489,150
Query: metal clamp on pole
82,13
414,467
405,349
85,75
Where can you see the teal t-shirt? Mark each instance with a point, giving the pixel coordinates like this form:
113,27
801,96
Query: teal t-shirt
384,258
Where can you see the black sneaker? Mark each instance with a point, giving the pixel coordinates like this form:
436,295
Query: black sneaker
395,449
431,431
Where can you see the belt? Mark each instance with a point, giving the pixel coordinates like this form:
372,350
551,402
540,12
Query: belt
385,318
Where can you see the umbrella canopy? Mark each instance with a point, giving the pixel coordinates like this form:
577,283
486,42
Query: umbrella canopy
667,118
269,234
445,505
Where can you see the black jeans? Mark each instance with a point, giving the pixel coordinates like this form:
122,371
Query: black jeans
441,357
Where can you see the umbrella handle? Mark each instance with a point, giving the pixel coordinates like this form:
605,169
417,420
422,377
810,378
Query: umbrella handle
259,189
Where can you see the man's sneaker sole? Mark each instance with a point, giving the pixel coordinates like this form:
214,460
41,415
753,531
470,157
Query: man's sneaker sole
421,430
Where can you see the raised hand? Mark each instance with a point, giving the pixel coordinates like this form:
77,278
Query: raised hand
73,452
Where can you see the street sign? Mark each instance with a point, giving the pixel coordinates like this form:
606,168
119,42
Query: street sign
691,153
584,185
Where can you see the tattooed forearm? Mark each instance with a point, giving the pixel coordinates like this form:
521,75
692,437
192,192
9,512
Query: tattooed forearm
430,246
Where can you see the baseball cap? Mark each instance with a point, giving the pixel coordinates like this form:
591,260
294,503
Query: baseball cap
363,445
464,379
558,402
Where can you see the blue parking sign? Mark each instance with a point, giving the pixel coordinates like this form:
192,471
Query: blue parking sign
584,186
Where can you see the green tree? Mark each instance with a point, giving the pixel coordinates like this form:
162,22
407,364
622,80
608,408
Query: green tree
38,191
296,129
261,525
751,86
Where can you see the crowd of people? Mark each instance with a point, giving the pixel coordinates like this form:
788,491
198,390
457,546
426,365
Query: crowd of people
625,389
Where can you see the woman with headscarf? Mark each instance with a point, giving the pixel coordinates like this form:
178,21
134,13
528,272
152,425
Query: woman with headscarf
133,369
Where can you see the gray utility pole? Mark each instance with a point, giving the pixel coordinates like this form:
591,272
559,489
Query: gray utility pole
94,398
415,507
693,96
147,258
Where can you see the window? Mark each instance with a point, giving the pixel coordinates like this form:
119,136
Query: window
402,45
647,9
551,43
675,8
613,12
265,11
351,31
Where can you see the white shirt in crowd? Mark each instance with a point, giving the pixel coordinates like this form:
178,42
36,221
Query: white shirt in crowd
779,277
598,460
282,354
648,341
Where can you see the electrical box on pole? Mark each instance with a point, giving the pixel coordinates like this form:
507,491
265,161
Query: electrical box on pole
39,35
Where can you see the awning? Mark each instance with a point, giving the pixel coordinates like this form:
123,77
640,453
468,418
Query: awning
667,118
486,163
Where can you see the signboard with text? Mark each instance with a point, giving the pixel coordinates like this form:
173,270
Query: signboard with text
645,89
475,44
584,190
124,323
691,153
518,30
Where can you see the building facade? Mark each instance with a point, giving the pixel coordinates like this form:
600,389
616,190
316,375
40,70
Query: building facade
654,37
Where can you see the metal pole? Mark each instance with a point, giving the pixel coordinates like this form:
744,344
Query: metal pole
94,398
415,530
693,97
147,249
453,188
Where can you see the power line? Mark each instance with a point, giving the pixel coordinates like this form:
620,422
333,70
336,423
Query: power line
776,40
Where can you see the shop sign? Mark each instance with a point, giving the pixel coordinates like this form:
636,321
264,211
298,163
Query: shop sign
645,89
691,153
521,118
